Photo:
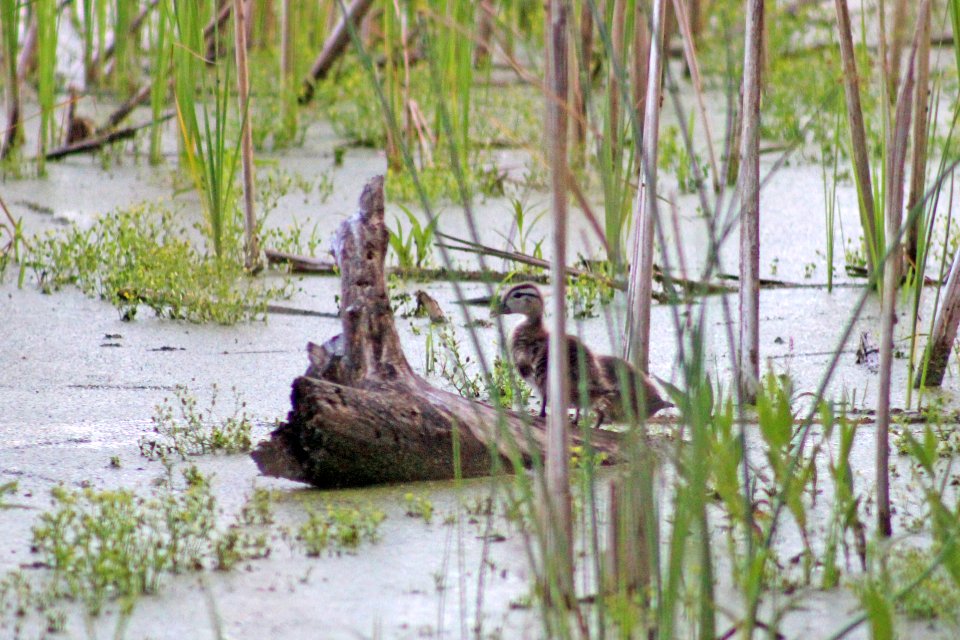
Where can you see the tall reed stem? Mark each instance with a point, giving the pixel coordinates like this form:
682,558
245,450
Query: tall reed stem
558,559
858,136
251,259
918,163
287,70
893,205
748,368
47,17
10,25
640,288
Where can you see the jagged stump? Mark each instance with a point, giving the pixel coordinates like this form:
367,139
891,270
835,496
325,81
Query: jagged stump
361,416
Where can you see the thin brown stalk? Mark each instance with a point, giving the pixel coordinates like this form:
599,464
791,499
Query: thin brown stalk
858,136
897,43
640,288
748,356
893,208
918,163
27,62
690,53
559,523
286,43
287,70
251,243
640,62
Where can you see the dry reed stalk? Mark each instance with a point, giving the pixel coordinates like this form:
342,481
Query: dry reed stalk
640,62
690,53
897,142
559,517
918,162
628,564
858,136
27,62
251,247
748,356
695,16
897,41
640,288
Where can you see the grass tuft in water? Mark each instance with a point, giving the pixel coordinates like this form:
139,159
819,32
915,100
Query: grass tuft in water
182,429
339,527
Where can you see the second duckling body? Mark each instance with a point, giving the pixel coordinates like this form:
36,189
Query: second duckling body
601,382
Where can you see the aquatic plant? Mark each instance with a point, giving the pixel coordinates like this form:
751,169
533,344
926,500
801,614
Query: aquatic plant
414,250
180,428
343,527
142,257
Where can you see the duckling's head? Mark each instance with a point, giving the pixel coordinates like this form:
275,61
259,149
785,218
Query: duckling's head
522,298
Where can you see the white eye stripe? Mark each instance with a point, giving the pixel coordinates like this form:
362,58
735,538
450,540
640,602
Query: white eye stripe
524,291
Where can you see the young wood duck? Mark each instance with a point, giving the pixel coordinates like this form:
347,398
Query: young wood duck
600,382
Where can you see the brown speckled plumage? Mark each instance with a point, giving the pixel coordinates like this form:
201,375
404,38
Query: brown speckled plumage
607,380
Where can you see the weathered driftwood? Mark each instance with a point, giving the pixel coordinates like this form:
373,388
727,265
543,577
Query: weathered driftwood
361,415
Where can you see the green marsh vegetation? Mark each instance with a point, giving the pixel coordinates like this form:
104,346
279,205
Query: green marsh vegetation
773,482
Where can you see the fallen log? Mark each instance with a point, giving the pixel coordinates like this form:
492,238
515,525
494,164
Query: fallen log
101,139
361,415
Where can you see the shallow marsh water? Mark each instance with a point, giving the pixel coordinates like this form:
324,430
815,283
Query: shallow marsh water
79,386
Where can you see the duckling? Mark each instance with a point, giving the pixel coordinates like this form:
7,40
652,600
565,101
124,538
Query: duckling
604,376
79,128
620,382
529,346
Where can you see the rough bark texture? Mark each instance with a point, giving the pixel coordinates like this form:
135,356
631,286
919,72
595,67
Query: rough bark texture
360,414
